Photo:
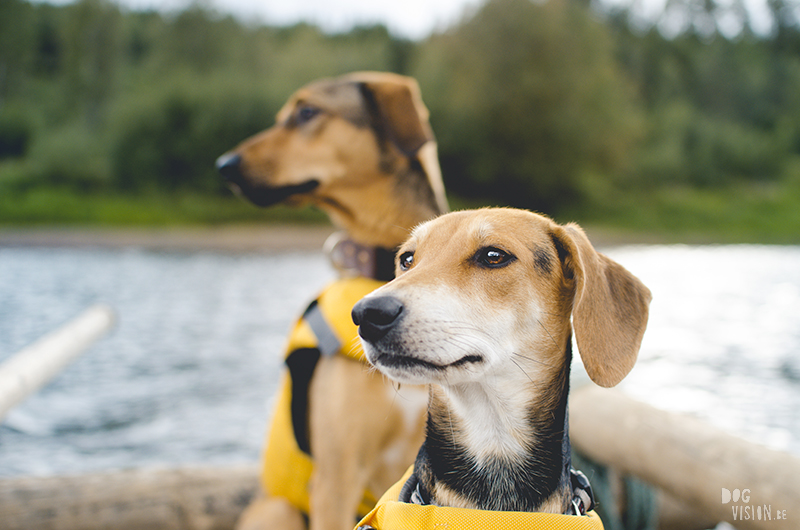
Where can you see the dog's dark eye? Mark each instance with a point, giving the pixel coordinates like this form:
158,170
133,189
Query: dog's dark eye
306,113
406,260
493,258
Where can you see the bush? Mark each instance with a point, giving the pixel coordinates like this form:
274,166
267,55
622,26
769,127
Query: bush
16,132
69,157
171,140
687,146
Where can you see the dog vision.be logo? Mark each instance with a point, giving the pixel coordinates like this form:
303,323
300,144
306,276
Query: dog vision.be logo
743,510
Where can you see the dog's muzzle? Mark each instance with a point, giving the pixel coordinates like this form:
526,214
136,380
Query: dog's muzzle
376,316
229,166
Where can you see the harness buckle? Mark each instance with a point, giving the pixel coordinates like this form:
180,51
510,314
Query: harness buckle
582,495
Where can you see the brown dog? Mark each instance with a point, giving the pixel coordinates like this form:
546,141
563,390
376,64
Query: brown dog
360,148
483,309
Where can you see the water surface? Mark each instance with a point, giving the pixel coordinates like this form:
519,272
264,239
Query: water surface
187,374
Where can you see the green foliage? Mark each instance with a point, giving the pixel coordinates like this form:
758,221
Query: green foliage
170,139
526,98
545,105
15,55
16,133
719,111
687,146
70,157
91,45
58,205
740,213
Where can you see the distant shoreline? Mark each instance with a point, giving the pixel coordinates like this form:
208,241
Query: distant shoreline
248,238
234,238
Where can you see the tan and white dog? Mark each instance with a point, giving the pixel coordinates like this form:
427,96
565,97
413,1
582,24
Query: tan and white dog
360,148
483,310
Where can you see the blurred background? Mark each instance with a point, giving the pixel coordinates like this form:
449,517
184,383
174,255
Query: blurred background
652,122
680,119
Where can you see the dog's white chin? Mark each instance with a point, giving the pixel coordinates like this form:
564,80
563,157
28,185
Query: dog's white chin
416,374
405,377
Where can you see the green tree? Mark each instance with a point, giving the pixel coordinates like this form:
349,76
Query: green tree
528,103
16,46
91,55
719,111
195,40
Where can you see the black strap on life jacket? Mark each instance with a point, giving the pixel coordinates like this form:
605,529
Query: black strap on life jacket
301,364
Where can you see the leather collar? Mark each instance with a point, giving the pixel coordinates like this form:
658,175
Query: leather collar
350,258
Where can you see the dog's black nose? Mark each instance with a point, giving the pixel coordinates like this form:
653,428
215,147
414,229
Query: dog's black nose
228,166
376,316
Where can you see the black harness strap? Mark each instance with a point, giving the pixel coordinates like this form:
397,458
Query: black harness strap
301,364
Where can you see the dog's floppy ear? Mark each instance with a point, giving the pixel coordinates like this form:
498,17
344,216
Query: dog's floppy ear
610,308
398,112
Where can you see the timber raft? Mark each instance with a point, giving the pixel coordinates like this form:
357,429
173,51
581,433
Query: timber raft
690,463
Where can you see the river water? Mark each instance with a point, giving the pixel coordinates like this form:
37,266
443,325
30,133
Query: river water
187,374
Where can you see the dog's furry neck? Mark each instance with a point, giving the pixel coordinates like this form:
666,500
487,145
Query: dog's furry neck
533,478
393,201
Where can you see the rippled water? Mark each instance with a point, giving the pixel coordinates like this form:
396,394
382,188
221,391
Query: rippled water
187,373
724,337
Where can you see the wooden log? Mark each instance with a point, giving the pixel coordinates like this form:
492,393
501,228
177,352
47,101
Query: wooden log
676,515
690,460
190,498
33,367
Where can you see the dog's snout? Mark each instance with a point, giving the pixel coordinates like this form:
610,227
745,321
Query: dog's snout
229,166
376,316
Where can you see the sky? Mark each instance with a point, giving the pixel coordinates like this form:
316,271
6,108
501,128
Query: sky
413,19
405,18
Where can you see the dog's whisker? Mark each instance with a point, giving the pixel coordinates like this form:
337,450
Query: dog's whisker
537,361
523,371
458,326
371,369
464,345
396,387
356,348
450,416
406,229
547,331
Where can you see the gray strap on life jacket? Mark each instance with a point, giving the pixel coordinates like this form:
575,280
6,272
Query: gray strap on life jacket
328,342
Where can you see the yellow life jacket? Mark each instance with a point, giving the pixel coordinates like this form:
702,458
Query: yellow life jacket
325,328
391,514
